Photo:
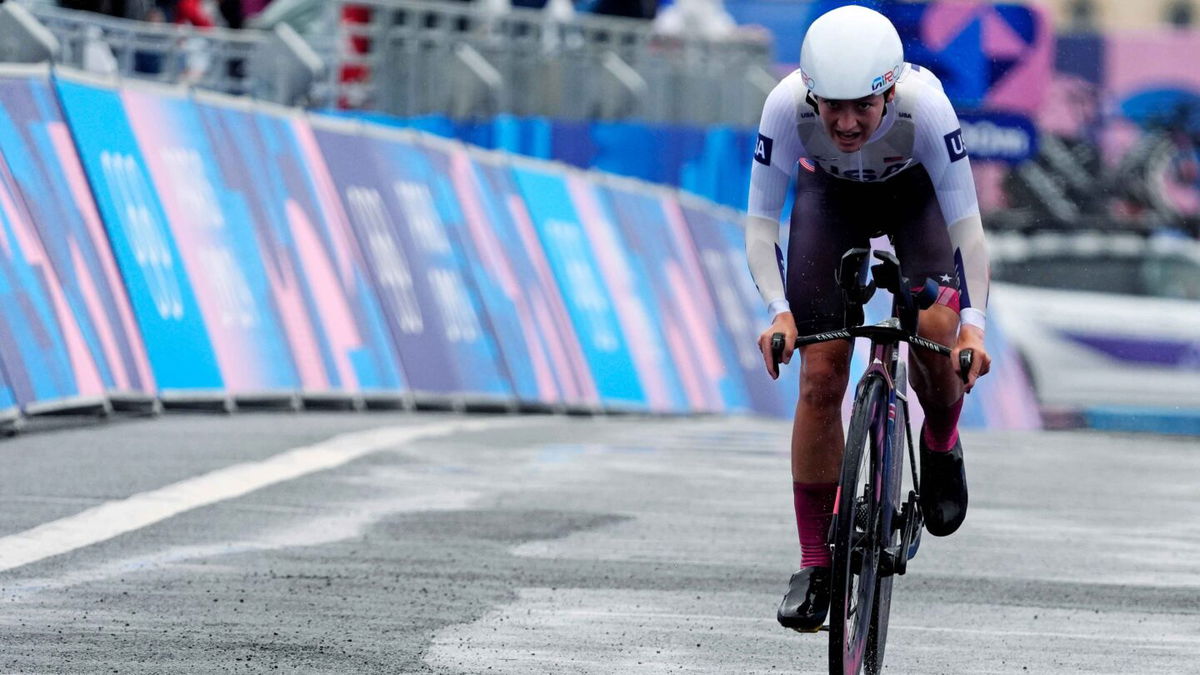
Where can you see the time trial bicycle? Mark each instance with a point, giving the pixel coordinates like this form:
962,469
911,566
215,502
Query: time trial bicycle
875,531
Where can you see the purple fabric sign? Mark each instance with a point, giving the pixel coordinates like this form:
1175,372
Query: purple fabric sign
395,206
631,291
216,241
314,269
721,248
519,293
151,266
42,347
658,238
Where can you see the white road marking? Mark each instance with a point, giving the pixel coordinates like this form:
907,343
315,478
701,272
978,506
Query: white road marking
117,517
1041,634
323,530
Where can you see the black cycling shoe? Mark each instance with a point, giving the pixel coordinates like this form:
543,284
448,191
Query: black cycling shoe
943,489
807,600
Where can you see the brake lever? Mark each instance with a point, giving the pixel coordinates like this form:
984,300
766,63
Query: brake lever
965,357
776,351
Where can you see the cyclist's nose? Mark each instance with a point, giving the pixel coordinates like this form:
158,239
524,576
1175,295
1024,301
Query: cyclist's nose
844,122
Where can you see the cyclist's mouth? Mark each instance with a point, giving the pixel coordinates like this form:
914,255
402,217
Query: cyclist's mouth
847,137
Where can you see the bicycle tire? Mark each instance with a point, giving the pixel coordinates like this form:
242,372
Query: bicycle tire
890,504
854,531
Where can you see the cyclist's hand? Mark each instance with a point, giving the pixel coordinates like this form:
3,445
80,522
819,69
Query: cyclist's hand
783,323
970,337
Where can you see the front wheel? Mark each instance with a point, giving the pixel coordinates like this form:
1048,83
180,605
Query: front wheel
854,538
893,475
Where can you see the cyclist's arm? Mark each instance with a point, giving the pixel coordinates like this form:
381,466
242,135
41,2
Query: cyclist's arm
776,151
940,149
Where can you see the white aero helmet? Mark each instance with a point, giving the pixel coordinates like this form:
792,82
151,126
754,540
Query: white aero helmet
851,52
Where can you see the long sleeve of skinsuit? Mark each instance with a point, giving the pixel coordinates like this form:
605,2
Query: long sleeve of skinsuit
776,152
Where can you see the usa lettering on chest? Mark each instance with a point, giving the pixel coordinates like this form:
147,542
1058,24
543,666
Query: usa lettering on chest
865,174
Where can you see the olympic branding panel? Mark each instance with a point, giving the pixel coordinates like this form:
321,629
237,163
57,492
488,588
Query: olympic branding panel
658,239
552,213
519,294
624,268
721,247
164,304
211,225
314,267
399,206
90,315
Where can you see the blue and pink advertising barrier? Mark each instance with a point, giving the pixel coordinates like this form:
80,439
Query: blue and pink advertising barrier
163,245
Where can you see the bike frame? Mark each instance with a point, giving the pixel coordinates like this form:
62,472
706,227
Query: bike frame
884,357
884,362
874,559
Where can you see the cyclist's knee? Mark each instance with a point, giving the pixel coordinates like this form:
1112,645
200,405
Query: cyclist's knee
823,377
940,324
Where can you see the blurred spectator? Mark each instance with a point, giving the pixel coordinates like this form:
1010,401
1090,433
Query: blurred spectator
561,11
354,75
233,12
634,9
145,61
125,9
85,5
97,55
494,8
705,19
197,59
253,7
192,11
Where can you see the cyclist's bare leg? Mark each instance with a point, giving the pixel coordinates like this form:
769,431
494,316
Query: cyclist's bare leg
817,440
943,477
817,446
934,379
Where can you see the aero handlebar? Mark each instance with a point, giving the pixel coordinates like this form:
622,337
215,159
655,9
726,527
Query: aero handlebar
883,332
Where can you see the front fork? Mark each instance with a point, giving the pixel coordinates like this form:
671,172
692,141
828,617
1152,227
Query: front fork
908,520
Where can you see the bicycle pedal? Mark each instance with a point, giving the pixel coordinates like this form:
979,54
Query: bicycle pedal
915,545
887,562
910,535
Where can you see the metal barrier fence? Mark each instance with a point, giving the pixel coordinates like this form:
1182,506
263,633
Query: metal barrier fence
425,57
213,58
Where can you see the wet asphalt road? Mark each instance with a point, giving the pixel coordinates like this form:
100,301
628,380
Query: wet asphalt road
554,545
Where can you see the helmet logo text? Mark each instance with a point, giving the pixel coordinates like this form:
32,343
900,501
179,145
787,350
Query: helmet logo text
887,79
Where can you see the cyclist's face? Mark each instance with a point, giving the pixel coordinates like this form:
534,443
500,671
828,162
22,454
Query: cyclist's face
851,123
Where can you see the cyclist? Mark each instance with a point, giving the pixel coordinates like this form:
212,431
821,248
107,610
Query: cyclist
880,151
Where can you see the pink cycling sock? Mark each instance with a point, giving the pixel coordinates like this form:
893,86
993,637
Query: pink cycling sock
814,513
941,427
